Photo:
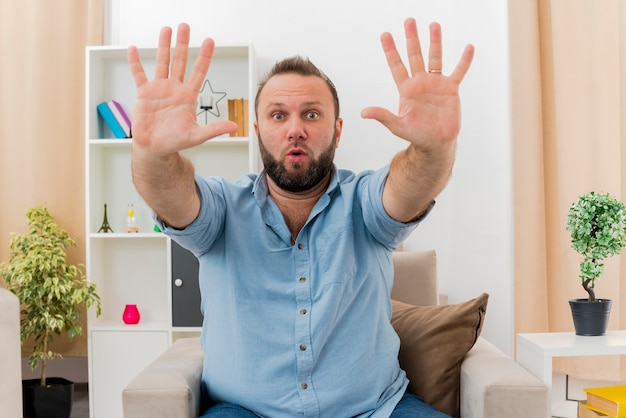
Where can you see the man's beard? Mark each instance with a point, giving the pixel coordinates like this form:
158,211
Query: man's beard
301,180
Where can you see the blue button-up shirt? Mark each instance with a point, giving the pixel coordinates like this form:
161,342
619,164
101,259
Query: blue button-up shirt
298,330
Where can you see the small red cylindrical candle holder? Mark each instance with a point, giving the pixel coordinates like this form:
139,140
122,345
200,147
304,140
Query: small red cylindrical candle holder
131,315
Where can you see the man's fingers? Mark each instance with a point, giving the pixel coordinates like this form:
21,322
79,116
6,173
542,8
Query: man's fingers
203,133
136,68
398,70
414,49
163,53
380,114
201,67
435,63
464,64
179,61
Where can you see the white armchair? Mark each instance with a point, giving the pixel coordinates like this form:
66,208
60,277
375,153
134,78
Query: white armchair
10,356
492,385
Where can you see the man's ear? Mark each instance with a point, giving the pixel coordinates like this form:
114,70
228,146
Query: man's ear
338,128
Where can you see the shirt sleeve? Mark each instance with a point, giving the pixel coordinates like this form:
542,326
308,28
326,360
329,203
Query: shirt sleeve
383,227
199,236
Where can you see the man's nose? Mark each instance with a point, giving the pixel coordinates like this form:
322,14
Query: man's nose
296,130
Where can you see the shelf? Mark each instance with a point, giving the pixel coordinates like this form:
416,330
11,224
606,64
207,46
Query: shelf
130,271
111,142
128,235
185,333
109,77
125,142
223,51
191,330
142,326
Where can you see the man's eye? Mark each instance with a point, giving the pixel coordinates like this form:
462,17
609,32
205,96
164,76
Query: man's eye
278,116
312,115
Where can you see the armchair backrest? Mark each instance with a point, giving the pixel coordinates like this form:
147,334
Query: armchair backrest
415,277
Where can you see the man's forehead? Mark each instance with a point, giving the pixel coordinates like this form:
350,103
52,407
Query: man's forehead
285,88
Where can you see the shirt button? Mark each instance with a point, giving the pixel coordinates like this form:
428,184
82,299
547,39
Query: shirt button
300,246
303,311
302,347
304,385
302,279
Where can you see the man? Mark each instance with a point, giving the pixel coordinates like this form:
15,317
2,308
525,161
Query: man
295,263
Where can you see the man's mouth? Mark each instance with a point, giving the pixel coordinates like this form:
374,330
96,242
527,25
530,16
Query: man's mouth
296,155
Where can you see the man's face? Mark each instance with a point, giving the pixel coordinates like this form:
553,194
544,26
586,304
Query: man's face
297,131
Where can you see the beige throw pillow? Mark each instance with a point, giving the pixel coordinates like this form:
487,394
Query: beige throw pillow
433,341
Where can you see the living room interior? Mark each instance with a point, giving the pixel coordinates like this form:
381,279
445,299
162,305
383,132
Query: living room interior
543,122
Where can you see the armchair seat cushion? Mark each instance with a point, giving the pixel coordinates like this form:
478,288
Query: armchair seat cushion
433,342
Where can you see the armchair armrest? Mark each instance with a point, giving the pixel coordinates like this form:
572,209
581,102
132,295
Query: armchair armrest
11,375
493,386
169,386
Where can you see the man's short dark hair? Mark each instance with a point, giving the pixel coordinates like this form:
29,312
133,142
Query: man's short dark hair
296,65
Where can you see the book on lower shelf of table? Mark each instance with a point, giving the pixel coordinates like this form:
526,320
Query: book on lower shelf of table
608,400
586,412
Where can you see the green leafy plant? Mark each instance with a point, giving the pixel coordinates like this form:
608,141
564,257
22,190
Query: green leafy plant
50,290
597,223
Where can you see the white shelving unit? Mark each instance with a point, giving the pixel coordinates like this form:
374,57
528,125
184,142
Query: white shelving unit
136,267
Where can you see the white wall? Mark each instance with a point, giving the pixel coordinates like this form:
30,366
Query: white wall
471,227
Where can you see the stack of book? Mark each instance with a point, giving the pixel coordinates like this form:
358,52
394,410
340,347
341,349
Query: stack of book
238,113
605,401
115,118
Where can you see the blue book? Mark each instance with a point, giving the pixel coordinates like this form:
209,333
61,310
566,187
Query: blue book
111,121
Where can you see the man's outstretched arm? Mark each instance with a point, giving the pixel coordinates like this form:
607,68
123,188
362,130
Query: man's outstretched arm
164,123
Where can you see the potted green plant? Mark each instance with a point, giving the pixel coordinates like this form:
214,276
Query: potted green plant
51,293
597,223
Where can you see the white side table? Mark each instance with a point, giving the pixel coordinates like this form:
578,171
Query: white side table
535,351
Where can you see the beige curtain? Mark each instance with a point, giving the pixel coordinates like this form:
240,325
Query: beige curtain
41,117
569,137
